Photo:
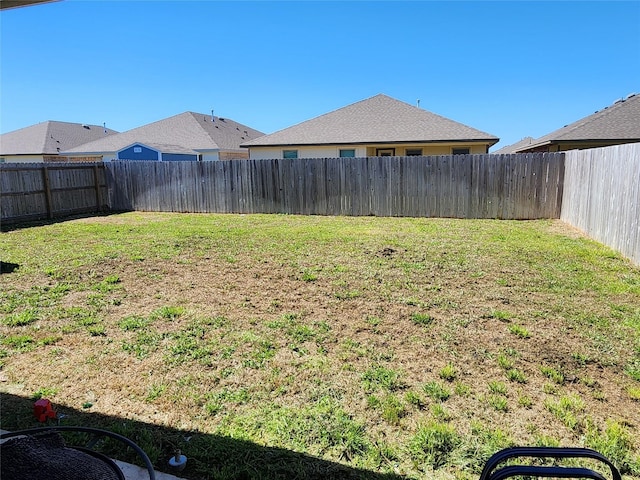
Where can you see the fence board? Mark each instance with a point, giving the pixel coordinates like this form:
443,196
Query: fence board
602,196
33,191
464,186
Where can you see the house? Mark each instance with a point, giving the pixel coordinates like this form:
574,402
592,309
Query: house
613,125
514,146
377,126
188,136
44,142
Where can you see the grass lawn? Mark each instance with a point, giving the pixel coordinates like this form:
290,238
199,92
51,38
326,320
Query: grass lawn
270,346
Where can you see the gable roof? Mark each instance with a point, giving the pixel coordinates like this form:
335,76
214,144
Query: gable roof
50,138
379,119
525,142
620,121
189,131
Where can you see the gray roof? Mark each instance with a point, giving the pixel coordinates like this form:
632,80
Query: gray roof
525,142
379,119
620,121
50,138
189,130
167,148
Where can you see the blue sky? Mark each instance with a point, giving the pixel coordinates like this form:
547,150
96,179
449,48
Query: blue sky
510,68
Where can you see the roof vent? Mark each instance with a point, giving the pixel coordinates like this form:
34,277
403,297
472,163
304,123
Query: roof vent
222,119
631,95
86,126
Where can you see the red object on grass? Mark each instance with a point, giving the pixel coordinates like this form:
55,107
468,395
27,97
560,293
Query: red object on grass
43,409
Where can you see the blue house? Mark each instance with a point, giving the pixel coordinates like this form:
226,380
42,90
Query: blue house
160,153
189,136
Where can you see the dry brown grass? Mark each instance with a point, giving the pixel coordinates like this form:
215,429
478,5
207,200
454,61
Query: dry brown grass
290,312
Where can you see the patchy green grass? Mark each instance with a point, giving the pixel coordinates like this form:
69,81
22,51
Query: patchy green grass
384,346
553,374
519,331
448,372
423,319
437,391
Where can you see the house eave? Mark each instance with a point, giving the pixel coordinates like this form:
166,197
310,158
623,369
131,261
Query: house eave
487,141
23,154
585,141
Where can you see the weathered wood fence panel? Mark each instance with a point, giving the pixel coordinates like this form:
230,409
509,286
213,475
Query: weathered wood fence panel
48,190
522,186
602,196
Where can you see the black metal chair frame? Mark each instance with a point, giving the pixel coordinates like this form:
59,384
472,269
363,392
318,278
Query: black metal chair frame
489,472
492,472
96,433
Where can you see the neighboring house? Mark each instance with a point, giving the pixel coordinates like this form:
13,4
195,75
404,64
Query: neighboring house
377,126
614,125
188,136
44,141
526,141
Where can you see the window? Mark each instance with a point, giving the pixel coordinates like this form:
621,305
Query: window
460,151
385,152
414,152
290,154
137,149
348,152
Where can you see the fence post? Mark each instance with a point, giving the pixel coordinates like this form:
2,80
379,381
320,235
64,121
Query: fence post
96,179
47,191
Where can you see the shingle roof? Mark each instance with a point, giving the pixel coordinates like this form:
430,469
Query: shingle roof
525,142
167,148
379,119
50,138
188,130
620,121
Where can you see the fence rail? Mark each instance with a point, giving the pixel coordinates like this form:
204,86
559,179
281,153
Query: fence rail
521,186
36,191
602,196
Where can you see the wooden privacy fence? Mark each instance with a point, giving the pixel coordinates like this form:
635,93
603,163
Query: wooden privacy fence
520,186
37,191
602,196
